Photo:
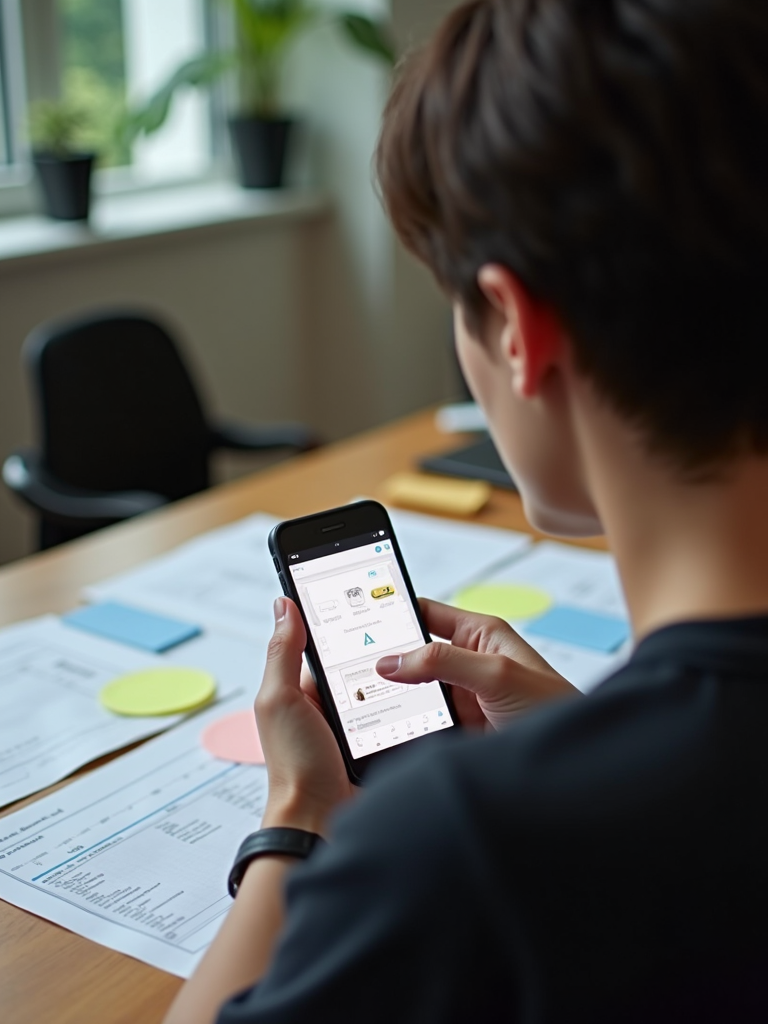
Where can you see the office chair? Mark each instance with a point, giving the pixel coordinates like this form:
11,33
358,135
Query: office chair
120,425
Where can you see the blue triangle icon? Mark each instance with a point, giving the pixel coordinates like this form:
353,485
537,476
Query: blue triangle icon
369,640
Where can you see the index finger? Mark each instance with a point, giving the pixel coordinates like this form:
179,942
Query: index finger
464,628
485,634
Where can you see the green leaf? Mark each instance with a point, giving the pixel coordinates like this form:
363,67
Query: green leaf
266,28
369,35
200,71
58,126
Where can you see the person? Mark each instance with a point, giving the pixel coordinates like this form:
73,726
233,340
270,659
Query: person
586,180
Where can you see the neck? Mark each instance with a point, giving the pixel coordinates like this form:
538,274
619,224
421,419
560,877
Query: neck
684,550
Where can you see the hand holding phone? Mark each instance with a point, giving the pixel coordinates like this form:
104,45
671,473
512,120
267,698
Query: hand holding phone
307,776
344,570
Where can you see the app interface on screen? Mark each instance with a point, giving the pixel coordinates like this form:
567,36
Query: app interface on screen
358,609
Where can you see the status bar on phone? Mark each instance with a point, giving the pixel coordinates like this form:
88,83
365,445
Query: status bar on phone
332,547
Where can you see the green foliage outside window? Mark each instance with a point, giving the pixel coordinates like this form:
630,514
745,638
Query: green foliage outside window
265,29
93,75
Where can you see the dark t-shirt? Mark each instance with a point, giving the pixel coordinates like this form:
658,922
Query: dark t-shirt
600,861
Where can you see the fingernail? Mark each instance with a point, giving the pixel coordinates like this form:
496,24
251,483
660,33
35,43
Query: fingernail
390,665
279,609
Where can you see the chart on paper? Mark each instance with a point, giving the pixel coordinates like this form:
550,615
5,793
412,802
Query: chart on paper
136,855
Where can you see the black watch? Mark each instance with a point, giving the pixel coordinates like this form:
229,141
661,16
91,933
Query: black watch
291,842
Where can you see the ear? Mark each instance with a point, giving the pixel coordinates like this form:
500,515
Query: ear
531,335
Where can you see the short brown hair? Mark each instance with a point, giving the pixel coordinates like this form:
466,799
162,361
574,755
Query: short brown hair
614,155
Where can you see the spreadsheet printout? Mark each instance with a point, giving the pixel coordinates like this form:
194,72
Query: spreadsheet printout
136,855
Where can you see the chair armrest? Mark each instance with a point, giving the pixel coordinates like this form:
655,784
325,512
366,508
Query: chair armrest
25,476
245,438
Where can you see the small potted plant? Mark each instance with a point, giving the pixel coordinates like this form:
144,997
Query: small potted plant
265,31
58,132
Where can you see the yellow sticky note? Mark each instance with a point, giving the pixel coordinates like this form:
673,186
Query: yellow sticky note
158,691
507,600
437,494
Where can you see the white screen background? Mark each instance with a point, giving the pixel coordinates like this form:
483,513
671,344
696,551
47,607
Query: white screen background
358,610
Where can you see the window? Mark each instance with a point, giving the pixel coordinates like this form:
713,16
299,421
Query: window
5,151
92,42
11,84
104,54
158,37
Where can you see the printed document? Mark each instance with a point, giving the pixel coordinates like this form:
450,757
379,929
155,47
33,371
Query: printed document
575,578
226,581
443,555
51,721
135,855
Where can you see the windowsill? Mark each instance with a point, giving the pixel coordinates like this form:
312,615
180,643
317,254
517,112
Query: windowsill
125,219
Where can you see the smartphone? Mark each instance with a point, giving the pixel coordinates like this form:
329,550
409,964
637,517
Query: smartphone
345,571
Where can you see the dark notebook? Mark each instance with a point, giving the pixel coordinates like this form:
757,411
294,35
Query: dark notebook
477,461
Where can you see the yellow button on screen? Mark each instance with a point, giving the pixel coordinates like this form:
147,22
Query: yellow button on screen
379,592
158,691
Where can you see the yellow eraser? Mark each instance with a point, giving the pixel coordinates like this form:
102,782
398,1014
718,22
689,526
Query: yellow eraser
437,494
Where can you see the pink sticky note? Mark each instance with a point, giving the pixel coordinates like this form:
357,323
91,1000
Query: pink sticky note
234,738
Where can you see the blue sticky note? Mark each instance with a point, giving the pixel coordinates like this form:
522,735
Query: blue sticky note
131,626
582,628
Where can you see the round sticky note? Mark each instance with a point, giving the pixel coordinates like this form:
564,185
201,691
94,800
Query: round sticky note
158,691
234,738
507,600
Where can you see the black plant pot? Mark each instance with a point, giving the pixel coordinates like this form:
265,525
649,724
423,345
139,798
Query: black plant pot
260,145
66,184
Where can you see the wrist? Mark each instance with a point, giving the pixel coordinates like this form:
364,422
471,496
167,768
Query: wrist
294,810
270,842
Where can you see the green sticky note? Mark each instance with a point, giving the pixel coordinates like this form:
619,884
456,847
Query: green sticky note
158,691
509,601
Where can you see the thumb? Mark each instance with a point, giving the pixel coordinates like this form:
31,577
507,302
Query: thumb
490,676
285,649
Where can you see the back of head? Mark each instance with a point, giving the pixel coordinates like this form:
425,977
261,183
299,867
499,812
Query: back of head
614,155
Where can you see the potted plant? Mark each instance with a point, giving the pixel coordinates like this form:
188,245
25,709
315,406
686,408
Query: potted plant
265,31
58,132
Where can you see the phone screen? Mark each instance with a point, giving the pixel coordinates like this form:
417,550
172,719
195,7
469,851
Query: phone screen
358,609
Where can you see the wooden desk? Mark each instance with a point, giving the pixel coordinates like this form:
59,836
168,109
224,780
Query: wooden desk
47,974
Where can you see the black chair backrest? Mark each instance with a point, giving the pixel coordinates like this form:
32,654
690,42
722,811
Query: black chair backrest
117,408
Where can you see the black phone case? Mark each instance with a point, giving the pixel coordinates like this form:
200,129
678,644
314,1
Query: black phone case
356,767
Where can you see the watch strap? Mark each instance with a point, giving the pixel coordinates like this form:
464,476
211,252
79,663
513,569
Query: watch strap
290,842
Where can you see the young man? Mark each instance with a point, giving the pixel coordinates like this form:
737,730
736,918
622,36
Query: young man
586,180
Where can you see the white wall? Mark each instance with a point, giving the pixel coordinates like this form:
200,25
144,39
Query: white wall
399,322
